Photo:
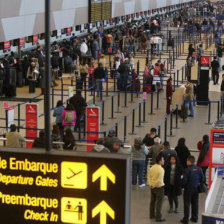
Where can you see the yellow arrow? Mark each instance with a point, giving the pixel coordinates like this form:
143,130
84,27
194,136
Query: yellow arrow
103,209
104,173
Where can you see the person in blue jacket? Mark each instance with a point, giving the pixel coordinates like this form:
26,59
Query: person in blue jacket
192,177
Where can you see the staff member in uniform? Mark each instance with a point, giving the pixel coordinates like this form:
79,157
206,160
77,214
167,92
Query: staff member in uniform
156,176
192,178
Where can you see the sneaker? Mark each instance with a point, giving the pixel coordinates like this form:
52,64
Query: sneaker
170,210
142,185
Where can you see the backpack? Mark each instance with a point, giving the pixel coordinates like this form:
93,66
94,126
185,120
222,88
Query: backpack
69,117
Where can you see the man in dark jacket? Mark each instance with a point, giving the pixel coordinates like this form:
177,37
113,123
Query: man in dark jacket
215,70
192,178
99,75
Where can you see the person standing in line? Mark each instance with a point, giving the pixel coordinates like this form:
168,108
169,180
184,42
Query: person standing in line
83,70
167,152
215,70
69,117
189,97
99,75
192,177
182,152
156,177
155,150
169,94
138,152
58,114
203,159
149,137
172,180
13,138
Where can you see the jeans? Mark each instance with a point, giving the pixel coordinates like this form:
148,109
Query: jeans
138,171
190,105
191,199
99,86
157,195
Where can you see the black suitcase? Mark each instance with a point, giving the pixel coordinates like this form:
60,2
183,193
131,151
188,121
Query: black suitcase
10,91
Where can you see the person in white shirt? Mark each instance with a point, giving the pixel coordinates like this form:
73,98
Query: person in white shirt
84,48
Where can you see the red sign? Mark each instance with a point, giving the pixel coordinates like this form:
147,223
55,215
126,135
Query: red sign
92,125
31,123
7,45
110,50
205,60
216,153
21,41
69,30
35,38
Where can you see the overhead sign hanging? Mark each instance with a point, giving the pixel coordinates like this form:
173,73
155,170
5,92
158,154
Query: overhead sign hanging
64,187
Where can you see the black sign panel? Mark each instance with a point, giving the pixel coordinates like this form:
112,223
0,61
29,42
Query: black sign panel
60,187
100,10
218,137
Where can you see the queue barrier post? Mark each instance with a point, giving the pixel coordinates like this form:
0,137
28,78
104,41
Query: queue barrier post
139,115
218,110
103,111
114,83
209,112
125,128
157,99
112,108
116,129
6,119
118,103
176,112
165,130
144,112
62,90
94,96
107,86
52,98
159,131
171,124
19,110
133,123
125,98
177,78
152,103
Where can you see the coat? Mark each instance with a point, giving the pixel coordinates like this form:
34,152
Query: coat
203,159
177,182
182,154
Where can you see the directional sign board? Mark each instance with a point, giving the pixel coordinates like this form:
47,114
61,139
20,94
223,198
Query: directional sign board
64,187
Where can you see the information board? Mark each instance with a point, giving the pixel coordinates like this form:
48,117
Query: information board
100,10
64,187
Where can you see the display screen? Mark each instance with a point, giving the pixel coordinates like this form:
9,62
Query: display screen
100,10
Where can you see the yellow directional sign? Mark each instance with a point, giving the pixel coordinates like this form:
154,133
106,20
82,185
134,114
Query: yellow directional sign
103,173
74,210
103,209
74,175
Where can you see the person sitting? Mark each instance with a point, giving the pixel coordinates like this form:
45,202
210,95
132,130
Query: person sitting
110,139
99,147
40,142
14,139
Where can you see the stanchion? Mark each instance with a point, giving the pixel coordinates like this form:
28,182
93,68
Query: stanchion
133,123
144,112
102,122
177,78
125,99
132,96
209,113
176,112
52,98
85,95
18,116
62,90
157,99
107,87
165,130
116,129
218,109
159,131
6,120
118,103
114,83
125,128
139,115
171,124
221,106
174,81
138,67
112,108
152,103
183,74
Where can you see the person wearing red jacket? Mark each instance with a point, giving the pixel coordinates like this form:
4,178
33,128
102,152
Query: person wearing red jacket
169,94
203,159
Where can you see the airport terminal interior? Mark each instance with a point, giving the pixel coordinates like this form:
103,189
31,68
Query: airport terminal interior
111,111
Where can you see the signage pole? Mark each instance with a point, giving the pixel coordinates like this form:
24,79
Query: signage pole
47,100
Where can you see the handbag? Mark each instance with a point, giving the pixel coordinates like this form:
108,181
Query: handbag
202,188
